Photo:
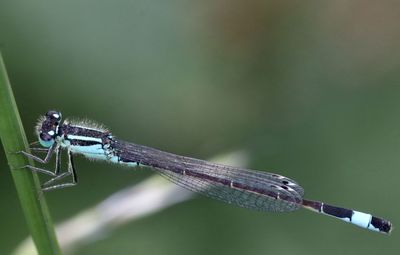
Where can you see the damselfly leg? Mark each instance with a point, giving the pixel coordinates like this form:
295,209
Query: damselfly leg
50,152
56,174
246,188
70,172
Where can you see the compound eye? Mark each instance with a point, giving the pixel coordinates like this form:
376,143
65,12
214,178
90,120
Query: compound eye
45,137
54,115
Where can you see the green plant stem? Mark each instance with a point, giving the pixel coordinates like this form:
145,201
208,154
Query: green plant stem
27,184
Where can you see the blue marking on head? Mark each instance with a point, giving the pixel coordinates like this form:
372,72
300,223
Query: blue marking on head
46,144
47,128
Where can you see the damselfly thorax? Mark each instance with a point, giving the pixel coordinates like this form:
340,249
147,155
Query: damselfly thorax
251,189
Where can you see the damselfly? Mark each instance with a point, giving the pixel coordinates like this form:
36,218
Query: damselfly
242,187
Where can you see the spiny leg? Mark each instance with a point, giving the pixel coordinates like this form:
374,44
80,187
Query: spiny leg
50,152
39,170
71,171
39,149
57,170
33,143
46,160
58,162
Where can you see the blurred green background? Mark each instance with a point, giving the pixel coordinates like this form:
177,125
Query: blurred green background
309,89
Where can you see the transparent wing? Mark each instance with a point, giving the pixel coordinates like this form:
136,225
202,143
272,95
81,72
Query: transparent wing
243,187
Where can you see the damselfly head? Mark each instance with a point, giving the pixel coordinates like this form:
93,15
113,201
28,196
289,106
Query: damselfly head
47,128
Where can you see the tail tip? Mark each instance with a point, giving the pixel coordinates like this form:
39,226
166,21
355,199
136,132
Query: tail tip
381,225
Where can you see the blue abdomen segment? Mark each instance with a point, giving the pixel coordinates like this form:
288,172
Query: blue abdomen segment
363,220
